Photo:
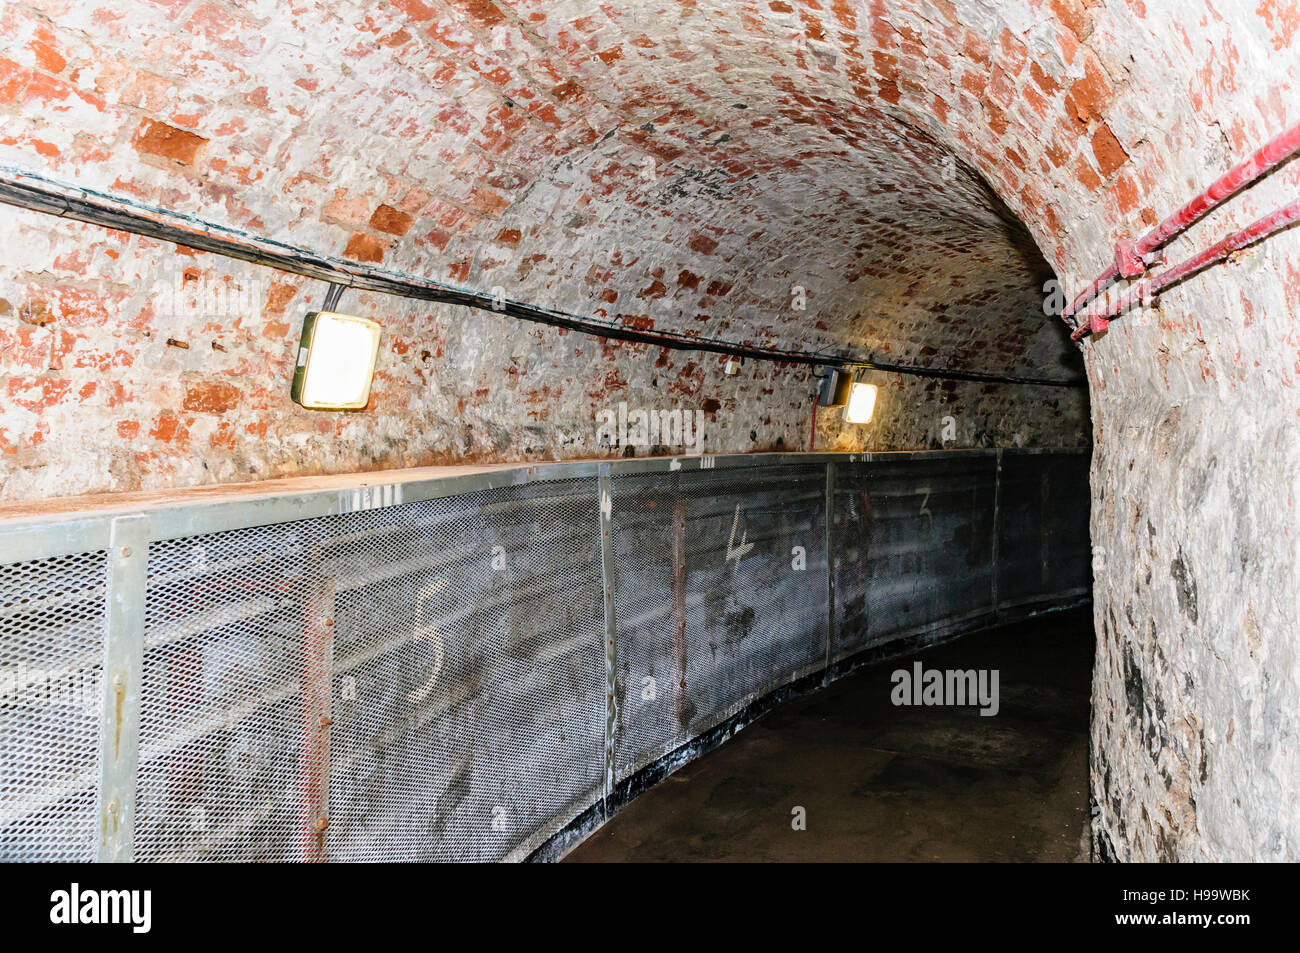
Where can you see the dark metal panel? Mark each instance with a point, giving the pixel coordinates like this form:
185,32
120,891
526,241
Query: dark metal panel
914,542
417,682
1043,540
712,609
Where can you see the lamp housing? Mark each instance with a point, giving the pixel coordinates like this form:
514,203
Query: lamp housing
861,405
336,361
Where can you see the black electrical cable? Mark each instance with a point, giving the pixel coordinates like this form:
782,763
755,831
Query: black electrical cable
35,192
332,297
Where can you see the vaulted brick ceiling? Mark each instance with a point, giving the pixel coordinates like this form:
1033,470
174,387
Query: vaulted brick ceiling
682,164
700,166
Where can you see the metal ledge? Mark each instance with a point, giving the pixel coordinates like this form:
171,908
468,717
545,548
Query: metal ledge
82,524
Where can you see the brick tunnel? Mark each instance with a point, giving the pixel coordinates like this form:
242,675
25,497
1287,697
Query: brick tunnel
720,352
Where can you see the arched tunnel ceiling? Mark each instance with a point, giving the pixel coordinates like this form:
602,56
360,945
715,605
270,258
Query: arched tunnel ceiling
675,165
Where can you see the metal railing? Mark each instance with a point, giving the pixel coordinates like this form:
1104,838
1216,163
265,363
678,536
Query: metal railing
400,667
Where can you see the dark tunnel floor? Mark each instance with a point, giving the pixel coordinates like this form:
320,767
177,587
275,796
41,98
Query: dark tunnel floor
886,783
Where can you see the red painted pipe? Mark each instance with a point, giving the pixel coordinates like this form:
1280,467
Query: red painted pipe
812,427
1132,258
1263,228
1100,284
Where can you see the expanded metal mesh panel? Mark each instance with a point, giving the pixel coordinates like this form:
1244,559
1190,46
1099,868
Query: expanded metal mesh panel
427,680
224,722
711,609
1042,526
469,709
851,548
52,615
421,681
925,530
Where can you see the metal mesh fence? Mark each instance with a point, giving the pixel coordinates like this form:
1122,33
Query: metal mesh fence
913,547
51,651
720,597
427,680
224,729
472,722
418,682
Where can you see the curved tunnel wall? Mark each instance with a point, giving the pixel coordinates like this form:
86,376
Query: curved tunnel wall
389,672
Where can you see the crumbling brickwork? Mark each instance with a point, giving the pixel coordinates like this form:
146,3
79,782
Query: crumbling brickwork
569,158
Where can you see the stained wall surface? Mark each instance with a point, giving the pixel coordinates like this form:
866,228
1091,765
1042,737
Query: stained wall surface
727,170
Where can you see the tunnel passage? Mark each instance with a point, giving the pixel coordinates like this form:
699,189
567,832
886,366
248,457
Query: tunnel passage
847,775
831,177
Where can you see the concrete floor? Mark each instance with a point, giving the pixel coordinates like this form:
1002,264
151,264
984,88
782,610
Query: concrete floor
886,783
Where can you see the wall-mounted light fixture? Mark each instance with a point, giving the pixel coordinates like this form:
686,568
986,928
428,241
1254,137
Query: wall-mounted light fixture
336,361
862,404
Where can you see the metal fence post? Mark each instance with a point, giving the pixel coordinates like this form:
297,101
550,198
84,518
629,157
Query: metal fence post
606,494
997,501
119,737
317,696
830,563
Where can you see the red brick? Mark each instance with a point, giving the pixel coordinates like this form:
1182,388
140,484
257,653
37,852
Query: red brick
1088,95
363,247
1074,16
25,347
702,244
44,48
1044,82
211,397
167,142
484,12
1110,154
391,220
566,91
37,394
